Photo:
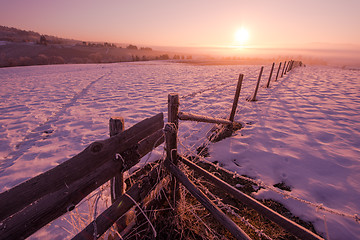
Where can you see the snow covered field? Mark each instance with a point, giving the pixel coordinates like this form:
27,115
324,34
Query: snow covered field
303,131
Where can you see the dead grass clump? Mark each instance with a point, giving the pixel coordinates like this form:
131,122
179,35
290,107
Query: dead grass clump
190,220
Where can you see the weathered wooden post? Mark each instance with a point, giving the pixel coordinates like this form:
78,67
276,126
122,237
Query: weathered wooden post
236,97
282,72
288,69
272,69
117,183
117,188
292,65
277,74
253,97
173,123
288,66
171,130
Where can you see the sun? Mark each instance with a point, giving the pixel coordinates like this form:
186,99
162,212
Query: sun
241,36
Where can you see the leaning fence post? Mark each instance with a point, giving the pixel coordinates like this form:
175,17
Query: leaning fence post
288,66
253,97
272,69
277,74
291,65
282,72
236,97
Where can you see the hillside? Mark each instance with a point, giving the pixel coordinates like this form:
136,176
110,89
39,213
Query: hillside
24,48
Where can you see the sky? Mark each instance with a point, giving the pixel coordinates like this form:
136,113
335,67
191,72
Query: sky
191,23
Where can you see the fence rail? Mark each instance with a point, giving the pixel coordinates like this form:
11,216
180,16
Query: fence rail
287,224
34,203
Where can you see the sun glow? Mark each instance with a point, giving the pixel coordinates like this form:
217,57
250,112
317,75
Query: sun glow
241,37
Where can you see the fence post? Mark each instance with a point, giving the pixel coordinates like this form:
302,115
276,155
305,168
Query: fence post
253,97
272,69
291,65
117,183
277,74
282,72
236,97
116,125
171,130
171,139
288,66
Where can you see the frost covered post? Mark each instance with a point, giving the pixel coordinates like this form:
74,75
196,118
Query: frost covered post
272,69
236,97
277,74
253,97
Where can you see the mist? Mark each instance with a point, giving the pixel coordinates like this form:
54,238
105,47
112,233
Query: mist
347,56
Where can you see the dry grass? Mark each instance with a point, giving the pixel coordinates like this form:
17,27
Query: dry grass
191,220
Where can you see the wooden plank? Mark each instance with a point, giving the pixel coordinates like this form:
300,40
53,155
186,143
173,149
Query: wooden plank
29,220
95,155
199,118
148,144
277,74
253,97
235,230
285,223
236,97
106,219
272,69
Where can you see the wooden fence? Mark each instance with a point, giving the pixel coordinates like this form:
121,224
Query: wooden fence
31,205
171,162
34,203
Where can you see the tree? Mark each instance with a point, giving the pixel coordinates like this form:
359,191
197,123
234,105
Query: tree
43,40
133,47
164,57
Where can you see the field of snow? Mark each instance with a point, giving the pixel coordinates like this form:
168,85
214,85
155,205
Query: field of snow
304,130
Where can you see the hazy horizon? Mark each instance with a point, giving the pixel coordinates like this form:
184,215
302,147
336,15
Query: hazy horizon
229,27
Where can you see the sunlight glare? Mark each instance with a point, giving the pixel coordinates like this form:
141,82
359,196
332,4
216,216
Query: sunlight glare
241,36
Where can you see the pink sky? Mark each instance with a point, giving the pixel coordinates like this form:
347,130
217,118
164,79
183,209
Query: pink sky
190,23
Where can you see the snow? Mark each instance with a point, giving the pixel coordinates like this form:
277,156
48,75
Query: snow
304,130
2,43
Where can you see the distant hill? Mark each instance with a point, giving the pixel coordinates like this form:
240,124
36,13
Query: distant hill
24,48
10,34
